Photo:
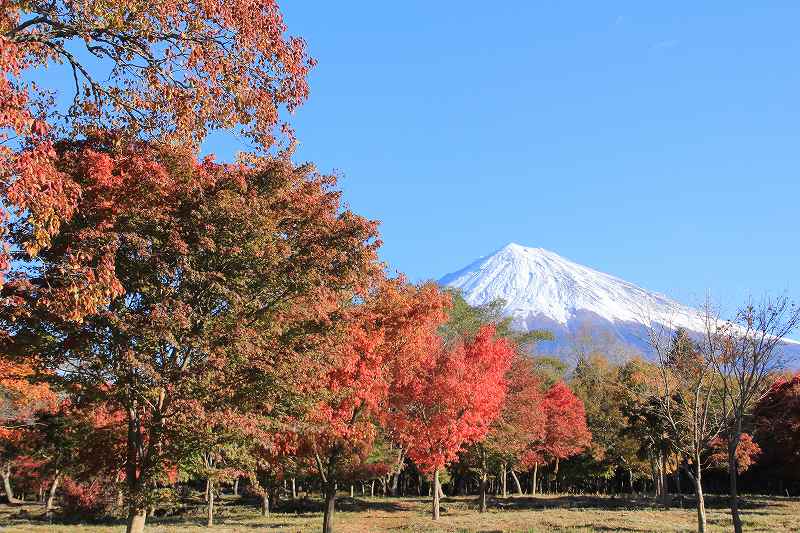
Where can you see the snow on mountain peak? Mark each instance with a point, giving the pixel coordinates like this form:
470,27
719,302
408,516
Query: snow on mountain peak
538,283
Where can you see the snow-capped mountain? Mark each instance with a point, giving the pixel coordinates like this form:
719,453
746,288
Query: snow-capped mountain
544,290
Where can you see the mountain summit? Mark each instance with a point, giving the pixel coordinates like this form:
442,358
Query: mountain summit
544,290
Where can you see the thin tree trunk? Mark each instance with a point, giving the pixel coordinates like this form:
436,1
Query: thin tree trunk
397,471
236,486
504,479
516,482
555,475
207,490
697,480
484,480
701,509
7,486
294,489
484,489
210,507
436,494
734,492
372,489
352,494
533,479
654,475
51,496
265,504
330,508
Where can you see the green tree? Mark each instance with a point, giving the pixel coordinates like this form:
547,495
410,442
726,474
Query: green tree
597,383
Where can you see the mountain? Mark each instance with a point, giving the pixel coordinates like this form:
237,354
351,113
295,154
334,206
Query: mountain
543,290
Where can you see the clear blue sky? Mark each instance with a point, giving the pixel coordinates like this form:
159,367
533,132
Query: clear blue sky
659,142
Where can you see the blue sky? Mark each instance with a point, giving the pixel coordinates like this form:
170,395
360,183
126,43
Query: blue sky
654,141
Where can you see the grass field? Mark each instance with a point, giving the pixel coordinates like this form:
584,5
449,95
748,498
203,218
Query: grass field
515,514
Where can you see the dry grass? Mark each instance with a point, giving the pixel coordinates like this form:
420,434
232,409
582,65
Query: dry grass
524,514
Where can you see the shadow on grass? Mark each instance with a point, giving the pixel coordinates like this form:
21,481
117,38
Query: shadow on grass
302,506
600,503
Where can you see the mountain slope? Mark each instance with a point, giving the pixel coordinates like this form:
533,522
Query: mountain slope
544,290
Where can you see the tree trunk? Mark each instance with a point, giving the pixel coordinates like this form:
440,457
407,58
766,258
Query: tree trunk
136,520
265,504
504,479
207,490
352,494
734,492
294,489
662,473
533,479
484,488
630,479
484,481
436,494
372,489
7,486
51,496
654,475
210,507
330,508
697,480
236,486
516,482
555,475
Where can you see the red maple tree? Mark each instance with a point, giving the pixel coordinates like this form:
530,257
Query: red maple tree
451,399
566,432
521,426
379,338
746,453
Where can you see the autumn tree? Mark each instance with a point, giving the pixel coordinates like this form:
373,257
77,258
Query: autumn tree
22,399
275,457
598,383
689,401
747,453
644,424
566,432
385,334
450,399
162,67
82,444
747,359
170,71
777,426
170,271
521,423
217,447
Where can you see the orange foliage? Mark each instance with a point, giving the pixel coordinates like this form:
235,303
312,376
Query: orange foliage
452,398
